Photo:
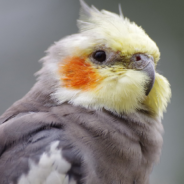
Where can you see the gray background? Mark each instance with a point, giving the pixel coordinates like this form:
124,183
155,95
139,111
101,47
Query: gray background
29,27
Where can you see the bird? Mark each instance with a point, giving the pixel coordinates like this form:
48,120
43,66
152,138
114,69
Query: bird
94,116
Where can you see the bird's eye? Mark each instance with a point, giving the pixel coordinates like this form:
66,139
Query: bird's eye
99,56
138,58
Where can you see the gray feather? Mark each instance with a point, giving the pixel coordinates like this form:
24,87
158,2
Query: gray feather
101,147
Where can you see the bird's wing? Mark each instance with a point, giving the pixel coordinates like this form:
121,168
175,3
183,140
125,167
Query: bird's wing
34,149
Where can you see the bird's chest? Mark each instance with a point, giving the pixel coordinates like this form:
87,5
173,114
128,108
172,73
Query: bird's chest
111,150
111,157
111,162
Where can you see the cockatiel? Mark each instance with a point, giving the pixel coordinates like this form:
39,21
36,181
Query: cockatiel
94,115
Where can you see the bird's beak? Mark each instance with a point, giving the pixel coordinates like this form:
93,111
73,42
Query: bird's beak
146,64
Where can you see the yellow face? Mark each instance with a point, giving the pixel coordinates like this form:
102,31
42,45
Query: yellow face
97,73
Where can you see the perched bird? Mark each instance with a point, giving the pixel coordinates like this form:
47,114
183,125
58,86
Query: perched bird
94,115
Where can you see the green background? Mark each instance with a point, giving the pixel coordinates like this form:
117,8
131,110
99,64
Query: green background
29,27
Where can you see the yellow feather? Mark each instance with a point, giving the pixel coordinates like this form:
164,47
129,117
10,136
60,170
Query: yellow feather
159,96
117,33
122,90
121,93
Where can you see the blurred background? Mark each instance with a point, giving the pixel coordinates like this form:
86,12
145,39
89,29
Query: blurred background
28,28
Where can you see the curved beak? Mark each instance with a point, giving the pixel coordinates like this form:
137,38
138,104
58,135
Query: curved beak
146,64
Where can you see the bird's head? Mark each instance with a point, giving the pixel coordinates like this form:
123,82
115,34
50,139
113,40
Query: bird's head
110,64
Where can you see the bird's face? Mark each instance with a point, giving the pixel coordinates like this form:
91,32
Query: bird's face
110,64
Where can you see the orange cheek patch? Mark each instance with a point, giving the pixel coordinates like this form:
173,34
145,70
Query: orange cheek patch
78,74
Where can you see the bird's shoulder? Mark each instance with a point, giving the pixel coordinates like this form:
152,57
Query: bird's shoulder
35,147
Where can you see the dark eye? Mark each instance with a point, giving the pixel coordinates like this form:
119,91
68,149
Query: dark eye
138,58
99,56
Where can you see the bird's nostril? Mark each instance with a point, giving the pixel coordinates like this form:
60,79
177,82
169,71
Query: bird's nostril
139,61
138,58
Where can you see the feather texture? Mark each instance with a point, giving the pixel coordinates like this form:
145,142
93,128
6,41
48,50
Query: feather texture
87,120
